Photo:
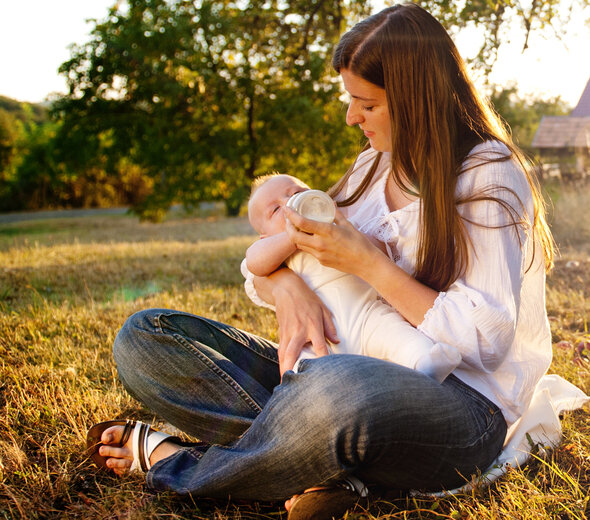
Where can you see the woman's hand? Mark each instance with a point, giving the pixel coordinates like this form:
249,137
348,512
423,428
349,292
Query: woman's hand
339,246
343,247
303,319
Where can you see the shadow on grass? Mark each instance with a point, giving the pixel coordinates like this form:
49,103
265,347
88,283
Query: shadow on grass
124,275
119,229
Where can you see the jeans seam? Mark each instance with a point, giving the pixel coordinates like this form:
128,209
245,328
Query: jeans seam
475,395
245,344
221,373
210,323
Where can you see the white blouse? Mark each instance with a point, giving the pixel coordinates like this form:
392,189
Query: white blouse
495,313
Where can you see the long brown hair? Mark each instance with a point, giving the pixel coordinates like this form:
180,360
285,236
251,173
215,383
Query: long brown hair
437,118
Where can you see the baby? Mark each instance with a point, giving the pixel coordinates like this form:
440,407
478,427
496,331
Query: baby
365,324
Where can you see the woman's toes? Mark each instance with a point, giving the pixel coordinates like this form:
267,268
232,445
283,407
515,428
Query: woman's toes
121,464
289,502
109,435
109,451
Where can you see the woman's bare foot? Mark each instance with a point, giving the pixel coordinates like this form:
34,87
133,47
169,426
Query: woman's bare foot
119,459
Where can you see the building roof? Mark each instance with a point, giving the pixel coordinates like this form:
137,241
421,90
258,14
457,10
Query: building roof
563,132
583,107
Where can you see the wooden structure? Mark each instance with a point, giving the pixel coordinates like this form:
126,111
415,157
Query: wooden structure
564,141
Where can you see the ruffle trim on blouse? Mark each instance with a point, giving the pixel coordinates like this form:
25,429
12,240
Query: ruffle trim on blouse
433,310
384,228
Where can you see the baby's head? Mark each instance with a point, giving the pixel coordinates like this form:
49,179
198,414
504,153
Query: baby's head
268,197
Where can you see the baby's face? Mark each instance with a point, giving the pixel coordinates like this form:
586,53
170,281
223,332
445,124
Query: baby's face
268,202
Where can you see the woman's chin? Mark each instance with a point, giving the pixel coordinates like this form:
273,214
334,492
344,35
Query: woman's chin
380,147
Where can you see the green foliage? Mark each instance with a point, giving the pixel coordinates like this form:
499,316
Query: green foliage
34,174
7,142
15,118
39,174
205,98
523,114
176,101
24,112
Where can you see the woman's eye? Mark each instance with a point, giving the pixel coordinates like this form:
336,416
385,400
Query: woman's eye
368,109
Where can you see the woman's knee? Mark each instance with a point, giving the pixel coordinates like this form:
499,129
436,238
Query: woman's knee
366,395
343,387
131,340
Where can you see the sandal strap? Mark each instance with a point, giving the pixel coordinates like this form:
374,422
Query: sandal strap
355,485
145,441
129,425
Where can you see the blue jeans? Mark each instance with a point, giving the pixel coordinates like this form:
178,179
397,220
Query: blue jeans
267,439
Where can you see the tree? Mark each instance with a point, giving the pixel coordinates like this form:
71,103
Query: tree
201,96
7,142
14,118
495,18
24,111
206,97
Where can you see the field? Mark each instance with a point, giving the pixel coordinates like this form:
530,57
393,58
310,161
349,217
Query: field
67,285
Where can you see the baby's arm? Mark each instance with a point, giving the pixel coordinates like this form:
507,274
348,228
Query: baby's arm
267,254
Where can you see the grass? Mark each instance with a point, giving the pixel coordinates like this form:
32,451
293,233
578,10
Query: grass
66,287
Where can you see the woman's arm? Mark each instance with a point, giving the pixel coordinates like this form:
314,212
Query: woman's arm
267,254
302,317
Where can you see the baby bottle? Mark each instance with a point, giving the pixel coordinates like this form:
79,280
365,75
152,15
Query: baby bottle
314,205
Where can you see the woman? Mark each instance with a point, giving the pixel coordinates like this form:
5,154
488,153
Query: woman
439,182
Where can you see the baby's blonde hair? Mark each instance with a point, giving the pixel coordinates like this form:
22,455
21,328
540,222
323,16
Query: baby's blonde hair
263,179
259,181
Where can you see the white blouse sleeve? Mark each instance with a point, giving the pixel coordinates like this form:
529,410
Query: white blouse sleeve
250,289
479,312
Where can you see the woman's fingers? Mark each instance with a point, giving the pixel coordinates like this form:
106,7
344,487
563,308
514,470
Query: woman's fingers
293,341
340,219
290,347
330,331
304,231
340,245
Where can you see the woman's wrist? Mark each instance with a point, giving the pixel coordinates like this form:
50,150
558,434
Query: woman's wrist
268,288
368,265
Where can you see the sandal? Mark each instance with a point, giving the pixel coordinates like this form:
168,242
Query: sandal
145,441
327,503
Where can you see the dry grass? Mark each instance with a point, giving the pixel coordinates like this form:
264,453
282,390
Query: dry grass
66,286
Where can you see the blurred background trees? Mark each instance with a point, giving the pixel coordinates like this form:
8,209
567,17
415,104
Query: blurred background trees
176,101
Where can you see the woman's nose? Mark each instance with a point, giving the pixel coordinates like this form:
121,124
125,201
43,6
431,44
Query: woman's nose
353,115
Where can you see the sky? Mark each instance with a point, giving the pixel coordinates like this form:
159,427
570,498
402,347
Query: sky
35,36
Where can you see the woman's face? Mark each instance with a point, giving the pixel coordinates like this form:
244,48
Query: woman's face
368,109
